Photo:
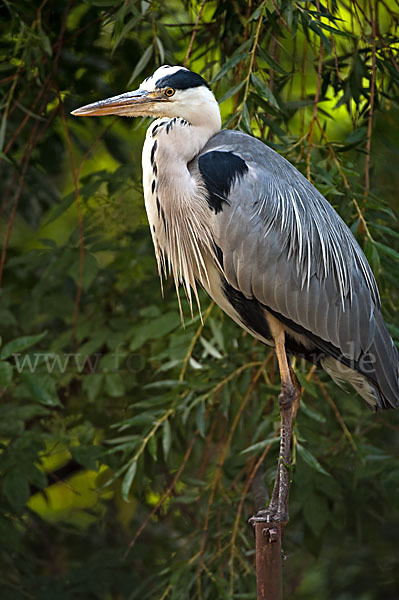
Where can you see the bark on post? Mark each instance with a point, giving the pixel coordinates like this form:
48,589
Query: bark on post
268,560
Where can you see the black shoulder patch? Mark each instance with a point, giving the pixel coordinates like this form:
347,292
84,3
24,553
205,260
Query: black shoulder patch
181,80
220,171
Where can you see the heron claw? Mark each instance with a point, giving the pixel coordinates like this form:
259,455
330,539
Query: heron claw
267,516
262,516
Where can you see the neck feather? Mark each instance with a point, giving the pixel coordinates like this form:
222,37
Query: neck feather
177,211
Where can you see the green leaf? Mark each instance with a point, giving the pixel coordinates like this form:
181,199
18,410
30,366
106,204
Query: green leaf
336,31
164,383
92,383
356,136
387,250
311,460
315,27
103,3
128,480
140,419
6,373
37,477
45,42
375,259
7,318
141,65
154,329
152,447
232,91
259,446
264,91
199,420
316,512
270,61
42,388
239,55
210,349
20,344
166,438
123,33
388,230
114,385
311,413
88,274
87,456
246,119
256,13
16,489
59,209
3,127
308,386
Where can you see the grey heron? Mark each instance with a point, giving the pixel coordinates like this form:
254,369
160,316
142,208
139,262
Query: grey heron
230,214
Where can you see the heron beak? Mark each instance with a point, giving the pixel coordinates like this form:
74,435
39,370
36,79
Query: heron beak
128,104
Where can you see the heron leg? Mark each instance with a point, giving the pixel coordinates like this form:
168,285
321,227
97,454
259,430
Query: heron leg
288,404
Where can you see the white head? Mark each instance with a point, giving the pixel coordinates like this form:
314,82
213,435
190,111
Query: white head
169,92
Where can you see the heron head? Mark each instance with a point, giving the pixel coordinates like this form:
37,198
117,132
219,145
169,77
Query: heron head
169,92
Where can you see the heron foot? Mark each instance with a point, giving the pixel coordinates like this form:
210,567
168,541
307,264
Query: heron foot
268,516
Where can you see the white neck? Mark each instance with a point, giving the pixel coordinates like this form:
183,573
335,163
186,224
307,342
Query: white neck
180,139
173,195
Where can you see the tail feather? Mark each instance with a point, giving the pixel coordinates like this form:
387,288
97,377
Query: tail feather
342,375
386,365
375,376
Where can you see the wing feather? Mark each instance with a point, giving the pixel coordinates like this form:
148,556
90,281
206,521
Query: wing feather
285,246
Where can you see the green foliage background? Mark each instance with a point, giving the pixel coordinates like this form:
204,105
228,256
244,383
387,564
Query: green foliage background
128,442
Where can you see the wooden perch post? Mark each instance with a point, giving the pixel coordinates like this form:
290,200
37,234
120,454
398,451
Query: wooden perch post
268,560
268,524
268,536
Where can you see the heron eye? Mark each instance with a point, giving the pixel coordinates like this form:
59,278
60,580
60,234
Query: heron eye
169,92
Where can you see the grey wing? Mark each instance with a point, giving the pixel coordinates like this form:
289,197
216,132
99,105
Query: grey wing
284,246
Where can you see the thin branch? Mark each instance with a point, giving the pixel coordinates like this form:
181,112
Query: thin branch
240,64
75,175
237,519
337,414
153,431
25,161
371,105
315,109
280,15
194,340
166,592
220,463
165,495
17,196
334,47
35,134
362,220
251,62
303,89
194,33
